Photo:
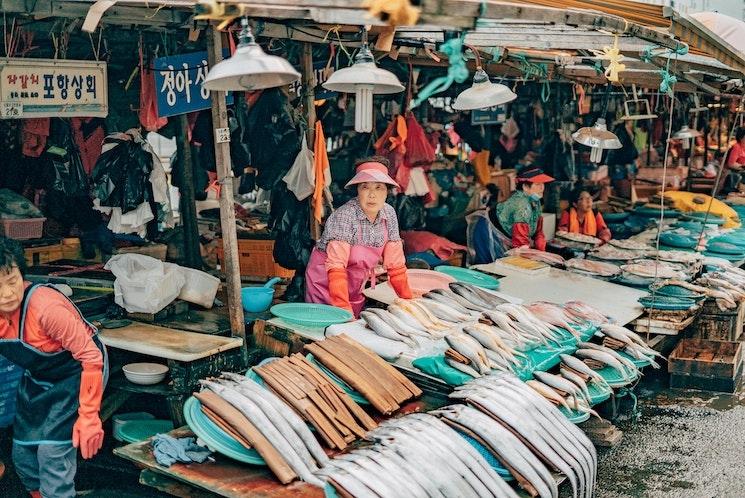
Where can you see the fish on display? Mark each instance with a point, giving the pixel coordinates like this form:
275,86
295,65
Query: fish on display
558,443
381,328
579,366
585,312
399,464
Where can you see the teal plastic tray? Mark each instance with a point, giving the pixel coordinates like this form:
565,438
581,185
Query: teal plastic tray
712,219
216,438
729,257
667,303
135,431
678,291
574,416
639,363
677,240
614,378
310,314
467,276
724,248
598,393
488,456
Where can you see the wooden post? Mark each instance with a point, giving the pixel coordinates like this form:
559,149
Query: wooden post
187,208
309,85
227,211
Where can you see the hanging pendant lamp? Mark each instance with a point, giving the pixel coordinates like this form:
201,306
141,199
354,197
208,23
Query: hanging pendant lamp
250,68
685,134
365,79
483,93
597,137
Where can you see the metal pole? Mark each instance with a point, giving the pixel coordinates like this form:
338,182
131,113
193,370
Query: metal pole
225,177
192,256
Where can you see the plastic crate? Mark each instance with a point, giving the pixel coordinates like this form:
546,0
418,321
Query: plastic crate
22,229
256,259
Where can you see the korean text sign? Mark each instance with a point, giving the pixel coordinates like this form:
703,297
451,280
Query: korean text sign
178,83
38,88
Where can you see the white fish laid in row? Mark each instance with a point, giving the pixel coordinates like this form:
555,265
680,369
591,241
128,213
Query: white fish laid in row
555,440
380,327
581,367
401,461
634,345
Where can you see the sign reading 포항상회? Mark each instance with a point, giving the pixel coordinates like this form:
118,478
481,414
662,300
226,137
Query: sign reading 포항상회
39,88
178,83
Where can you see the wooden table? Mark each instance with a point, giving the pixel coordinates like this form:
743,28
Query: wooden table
220,476
190,357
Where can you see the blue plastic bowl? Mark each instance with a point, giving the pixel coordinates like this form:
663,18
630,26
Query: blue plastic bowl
256,299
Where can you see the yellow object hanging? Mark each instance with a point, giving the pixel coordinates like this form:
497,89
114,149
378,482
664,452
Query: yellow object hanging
394,12
613,55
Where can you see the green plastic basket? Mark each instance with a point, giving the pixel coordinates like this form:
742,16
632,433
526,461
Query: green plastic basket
310,314
468,276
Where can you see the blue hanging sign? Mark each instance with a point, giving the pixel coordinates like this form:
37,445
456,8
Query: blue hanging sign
178,83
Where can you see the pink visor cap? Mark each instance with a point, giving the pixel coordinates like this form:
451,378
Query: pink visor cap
371,172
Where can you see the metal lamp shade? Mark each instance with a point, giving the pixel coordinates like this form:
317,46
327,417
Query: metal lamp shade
347,79
250,68
686,132
597,136
483,94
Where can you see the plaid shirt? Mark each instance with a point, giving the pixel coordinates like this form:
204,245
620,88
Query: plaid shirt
350,224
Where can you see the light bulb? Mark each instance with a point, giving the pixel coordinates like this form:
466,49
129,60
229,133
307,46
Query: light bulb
596,154
686,143
363,108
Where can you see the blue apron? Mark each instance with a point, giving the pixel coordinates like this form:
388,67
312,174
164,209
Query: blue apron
47,401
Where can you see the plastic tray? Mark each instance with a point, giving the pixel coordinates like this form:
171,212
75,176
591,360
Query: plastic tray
135,431
712,219
614,378
216,438
677,240
598,393
667,303
470,276
574,416
311,315
725,248
677,291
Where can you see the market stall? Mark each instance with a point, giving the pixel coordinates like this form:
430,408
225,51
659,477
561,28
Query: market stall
345,391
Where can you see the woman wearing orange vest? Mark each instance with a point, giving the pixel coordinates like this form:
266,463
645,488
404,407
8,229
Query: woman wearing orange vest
581,218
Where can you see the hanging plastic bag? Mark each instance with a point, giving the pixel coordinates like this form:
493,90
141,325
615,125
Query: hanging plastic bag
301,178
144,284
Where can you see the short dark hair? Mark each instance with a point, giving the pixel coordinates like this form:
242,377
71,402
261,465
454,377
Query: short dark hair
576,193
11,256
524,184
740,133
374,159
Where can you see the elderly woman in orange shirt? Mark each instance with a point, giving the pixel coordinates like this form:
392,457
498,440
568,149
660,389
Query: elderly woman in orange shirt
581,218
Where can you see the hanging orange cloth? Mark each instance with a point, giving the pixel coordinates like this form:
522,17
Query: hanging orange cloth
148,102
480,163
398,143
320,167
589,226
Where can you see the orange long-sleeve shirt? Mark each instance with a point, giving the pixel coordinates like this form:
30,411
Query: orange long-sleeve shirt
52,325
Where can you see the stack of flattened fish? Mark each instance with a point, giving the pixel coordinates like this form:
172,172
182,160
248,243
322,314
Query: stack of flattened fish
415,456
539,425
258,419
336,417
378,381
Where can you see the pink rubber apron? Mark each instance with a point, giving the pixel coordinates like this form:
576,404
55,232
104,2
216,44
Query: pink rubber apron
360,269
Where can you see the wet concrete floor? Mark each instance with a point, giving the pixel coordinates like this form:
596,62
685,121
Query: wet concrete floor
684,443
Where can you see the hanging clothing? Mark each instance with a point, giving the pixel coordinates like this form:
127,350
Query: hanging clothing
60,353
520,218
35,135
592,224
480,163
321,172
486,243
88,134
130,184
351,246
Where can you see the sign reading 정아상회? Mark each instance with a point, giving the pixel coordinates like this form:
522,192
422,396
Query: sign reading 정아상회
178,83
40,88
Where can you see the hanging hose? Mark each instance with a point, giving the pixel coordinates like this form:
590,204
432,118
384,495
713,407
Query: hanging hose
457,71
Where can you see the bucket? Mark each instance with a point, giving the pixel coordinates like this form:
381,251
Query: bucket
258,299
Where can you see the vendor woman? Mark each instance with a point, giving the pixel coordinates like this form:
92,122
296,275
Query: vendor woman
520,216
356,237
59,395
581,218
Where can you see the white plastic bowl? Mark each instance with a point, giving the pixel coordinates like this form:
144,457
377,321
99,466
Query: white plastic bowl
145,373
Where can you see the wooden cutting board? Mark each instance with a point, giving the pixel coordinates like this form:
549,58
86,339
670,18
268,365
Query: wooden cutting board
166,343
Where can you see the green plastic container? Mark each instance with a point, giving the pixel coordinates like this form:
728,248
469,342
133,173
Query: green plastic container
310,314
467,276
135,431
